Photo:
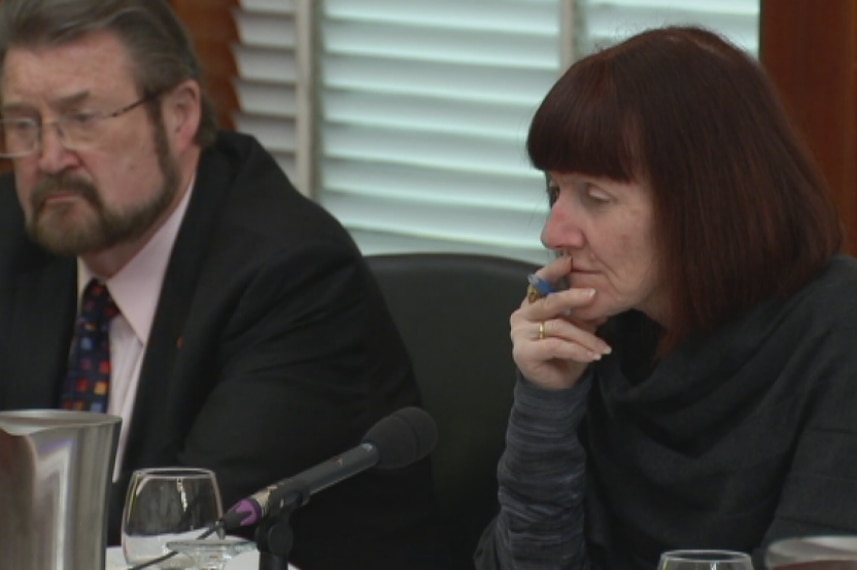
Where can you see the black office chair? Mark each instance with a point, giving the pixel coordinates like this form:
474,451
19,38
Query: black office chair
453,313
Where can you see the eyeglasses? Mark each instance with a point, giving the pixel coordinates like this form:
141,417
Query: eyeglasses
78,131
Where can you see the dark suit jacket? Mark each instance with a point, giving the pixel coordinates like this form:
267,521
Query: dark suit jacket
271,351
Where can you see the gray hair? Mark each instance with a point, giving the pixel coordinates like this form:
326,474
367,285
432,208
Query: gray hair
158,43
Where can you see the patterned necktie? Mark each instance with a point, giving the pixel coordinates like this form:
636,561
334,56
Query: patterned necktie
88,379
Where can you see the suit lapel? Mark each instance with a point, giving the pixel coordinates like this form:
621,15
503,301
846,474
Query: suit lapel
42,309
152,433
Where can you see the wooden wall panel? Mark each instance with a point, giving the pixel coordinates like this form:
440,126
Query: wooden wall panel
809,48
213,29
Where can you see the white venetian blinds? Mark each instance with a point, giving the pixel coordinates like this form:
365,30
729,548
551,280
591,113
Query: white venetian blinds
424,107
270,78
603,22
407,119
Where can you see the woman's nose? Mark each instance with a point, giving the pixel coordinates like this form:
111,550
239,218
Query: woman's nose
562,229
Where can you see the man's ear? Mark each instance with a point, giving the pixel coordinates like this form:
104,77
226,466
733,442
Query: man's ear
182,110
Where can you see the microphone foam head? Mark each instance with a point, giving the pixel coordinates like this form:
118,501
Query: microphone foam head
403,437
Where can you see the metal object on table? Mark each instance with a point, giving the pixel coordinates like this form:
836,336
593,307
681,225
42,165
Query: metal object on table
55,477
813,553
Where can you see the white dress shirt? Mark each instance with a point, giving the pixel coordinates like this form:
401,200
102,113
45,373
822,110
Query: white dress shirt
135,289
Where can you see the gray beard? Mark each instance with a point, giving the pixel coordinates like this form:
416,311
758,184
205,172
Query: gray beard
61,231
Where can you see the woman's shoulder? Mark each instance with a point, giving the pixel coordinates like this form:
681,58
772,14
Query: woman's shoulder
839,272
833,292
843,262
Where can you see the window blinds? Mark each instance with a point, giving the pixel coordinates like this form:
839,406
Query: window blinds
424,111
604,22
268,76
422,106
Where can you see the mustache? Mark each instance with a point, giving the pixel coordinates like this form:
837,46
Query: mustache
51,184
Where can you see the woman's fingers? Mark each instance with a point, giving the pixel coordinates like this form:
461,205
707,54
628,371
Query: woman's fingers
547,278
559,338
557,269
550,353
550,346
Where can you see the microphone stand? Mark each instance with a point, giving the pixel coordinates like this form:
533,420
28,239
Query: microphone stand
274,536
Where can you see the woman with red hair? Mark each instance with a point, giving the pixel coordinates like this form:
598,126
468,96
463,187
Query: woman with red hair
692,380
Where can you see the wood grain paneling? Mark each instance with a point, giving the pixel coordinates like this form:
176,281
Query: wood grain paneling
809,48
213,29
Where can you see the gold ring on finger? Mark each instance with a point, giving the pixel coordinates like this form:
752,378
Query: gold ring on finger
542,332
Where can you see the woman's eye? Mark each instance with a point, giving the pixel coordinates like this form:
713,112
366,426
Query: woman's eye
596,195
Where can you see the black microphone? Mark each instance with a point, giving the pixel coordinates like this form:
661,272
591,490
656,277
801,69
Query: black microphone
402,438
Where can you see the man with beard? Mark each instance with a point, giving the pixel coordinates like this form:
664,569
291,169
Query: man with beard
245,332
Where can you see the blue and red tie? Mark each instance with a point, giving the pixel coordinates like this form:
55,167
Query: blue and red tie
87,382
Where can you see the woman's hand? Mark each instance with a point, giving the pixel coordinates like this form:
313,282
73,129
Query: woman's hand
551,347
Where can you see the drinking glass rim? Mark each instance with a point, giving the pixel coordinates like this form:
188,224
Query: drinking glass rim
189,472
729,555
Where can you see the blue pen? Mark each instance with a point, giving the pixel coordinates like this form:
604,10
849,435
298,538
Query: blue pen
538,288
543,287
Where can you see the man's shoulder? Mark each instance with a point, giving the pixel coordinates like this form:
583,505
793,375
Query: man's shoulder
10,210
246,173
245,209
256,194
17,252
240,156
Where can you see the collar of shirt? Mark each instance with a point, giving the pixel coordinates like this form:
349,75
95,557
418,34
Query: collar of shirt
137,286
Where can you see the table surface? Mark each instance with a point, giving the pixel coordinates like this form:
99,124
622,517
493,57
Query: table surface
245,561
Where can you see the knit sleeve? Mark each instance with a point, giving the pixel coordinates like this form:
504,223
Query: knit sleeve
541,484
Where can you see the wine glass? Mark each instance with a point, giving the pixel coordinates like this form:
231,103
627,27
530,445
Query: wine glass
212,554
167,504
705,560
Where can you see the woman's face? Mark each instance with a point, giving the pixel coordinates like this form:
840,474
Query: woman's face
608,229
